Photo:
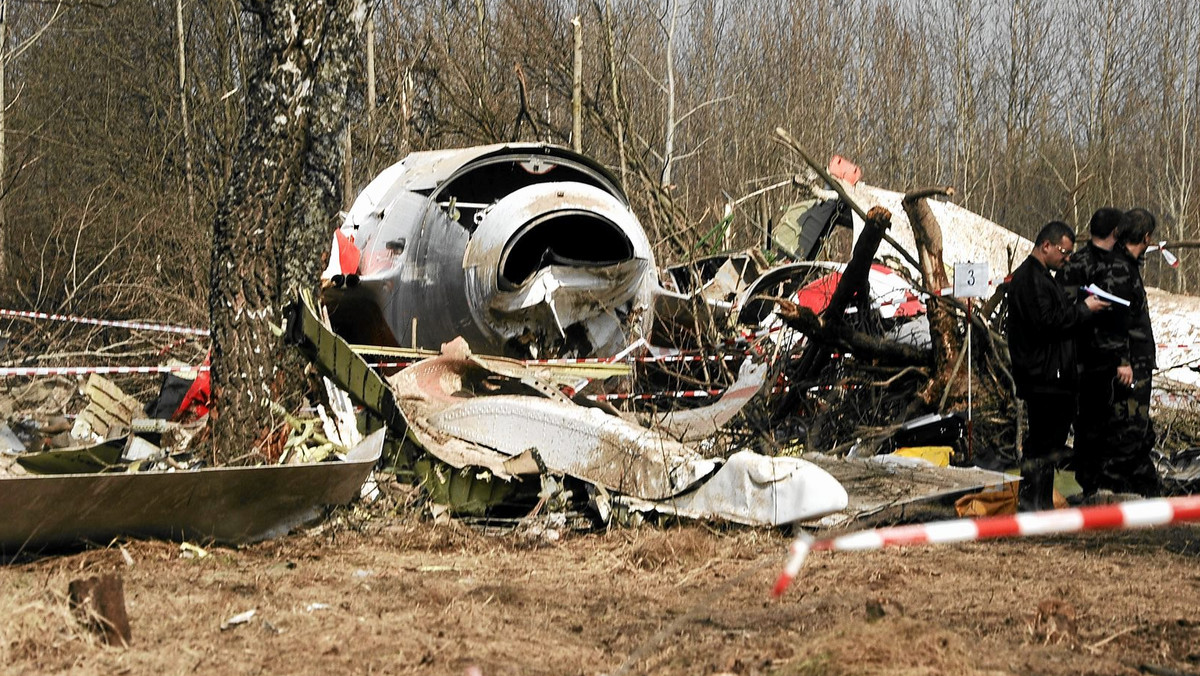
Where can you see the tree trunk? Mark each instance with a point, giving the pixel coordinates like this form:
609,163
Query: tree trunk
577,88
854,280
614,83
669,142
3,170
274,220
183,114
943,324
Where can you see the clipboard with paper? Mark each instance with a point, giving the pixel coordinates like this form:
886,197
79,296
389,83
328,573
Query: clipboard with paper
1104,295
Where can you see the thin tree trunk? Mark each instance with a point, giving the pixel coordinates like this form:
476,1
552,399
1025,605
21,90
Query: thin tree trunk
3,132
669,143
183,111
371,74
577,89
372,134
347,169
616,91
942,323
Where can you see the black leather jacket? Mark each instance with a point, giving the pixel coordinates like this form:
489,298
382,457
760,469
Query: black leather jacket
1042,326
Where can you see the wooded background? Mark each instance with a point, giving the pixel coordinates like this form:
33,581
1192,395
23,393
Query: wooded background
1031,109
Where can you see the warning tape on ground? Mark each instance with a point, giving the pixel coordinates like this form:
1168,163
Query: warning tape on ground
143,326
102,370
643,360
644,396
1127,515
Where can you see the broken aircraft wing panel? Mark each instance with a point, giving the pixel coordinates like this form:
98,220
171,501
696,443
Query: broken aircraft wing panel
462,413
757,490
226,504
585,443
966,236
699,423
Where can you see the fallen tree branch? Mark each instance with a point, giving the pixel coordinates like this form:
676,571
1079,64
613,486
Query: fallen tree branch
838,334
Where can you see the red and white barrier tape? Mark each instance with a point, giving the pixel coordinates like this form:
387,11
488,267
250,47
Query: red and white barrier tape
86,370
393,364
668,358
634,396
568,362
642,360
1139,514
1169,257
144,326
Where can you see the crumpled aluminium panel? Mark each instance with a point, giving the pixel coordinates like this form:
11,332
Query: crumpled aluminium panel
758,490
469,416
224,504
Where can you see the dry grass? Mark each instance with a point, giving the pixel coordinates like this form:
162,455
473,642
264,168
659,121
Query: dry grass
39,626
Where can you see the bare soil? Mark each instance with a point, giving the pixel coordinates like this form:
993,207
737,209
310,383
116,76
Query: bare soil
374,593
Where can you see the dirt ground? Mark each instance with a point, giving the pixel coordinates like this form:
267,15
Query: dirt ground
386,592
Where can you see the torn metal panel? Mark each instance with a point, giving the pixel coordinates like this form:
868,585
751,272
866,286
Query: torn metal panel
966,236
757,490
425,171
803,226
582,442
700,293
754,307
339,362
78,460
1176,322
227,504
716,279
700,423
886,482
464,491
461,413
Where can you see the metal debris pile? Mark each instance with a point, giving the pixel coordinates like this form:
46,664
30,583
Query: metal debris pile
491,328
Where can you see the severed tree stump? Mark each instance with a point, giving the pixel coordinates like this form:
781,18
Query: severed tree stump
100,603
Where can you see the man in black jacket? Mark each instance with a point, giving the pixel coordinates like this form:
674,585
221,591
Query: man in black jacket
1123,463
1092,264
1042,326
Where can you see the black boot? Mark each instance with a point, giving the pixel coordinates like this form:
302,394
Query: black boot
1036,491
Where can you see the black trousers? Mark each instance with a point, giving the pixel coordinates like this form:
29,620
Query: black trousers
1050,418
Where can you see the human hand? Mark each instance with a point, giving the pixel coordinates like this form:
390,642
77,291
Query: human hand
1094,304
1125,375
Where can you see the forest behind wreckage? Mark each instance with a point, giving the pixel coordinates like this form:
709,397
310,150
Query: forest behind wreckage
1032,110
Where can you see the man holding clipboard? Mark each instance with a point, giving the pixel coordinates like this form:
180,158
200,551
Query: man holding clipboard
1043,324
1096,348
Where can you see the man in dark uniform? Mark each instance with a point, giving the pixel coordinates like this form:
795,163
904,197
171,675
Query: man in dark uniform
1042,326
1095,349
1127,343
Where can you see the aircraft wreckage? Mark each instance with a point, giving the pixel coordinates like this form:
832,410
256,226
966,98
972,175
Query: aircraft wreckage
516,285
531,251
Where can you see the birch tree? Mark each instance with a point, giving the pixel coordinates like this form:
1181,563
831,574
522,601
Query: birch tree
1177,65
274,222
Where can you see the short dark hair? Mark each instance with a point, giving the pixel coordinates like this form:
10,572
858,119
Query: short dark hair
1053,232
1137,225
1105,221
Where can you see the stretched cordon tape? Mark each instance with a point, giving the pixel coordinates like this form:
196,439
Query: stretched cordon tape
87,370
1137,514
144,326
